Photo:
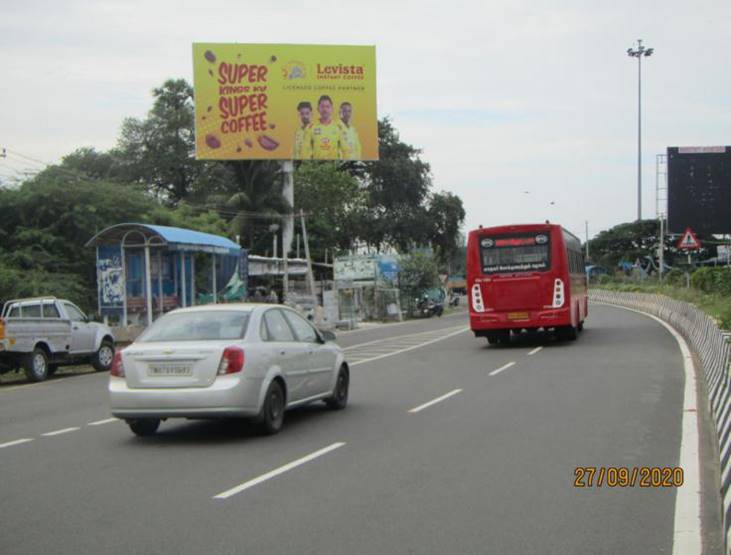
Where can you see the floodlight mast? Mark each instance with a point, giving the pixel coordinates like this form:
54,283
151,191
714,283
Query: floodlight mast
639,53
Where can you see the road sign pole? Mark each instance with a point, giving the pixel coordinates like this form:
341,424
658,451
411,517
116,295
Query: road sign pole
661,247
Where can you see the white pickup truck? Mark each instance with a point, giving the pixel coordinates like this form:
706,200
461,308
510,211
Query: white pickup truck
41,334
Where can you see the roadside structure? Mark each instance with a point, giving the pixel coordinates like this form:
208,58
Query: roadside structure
146,270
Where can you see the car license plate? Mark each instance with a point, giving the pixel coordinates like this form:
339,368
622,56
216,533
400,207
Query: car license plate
170,370
518,316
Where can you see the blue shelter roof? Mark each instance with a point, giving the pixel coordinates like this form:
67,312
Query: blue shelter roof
174,238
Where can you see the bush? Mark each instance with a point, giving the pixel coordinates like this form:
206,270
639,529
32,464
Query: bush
675,276
712,280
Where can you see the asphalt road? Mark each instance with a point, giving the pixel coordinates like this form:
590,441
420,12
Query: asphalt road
445,447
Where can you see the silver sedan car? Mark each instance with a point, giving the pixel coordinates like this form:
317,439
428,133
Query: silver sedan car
232,360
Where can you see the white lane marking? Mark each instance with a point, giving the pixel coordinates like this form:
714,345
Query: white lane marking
534,351
399,338
687,522
100,422
435,401
398,352
276,472
59,432
16,442
496,372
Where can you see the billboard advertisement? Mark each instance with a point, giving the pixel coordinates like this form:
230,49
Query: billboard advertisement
285,102
699,189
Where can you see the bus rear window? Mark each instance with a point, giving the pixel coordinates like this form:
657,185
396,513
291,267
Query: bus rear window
515,253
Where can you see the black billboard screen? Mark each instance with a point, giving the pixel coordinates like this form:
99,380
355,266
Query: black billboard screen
699,189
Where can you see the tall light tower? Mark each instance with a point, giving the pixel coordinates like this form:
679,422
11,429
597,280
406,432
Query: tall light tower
639,53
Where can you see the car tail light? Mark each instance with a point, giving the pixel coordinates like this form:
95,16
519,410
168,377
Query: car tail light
117,368
2,328
478,304
558,294
232,361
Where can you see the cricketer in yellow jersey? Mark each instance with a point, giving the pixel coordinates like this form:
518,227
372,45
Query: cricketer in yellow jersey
325,139
304,109
352,142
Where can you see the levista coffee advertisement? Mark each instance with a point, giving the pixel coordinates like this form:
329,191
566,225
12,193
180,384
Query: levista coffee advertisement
285,102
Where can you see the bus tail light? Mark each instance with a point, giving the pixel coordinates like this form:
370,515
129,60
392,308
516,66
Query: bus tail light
478,305
558,294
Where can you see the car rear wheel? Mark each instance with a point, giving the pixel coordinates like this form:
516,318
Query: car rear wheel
102,359
36,365
144,426
339,398
272,413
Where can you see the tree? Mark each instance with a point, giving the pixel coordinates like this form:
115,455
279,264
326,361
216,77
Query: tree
633,240
446,215
334,203
397,186
255,200
47,222
159,150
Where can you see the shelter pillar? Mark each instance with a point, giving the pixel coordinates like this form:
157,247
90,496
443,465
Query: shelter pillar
192,279
215,292
124,286
182,279
148,283
160,292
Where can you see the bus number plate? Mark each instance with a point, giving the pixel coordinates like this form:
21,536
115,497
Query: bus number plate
518,316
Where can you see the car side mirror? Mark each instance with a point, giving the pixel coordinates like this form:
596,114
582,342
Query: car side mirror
327,335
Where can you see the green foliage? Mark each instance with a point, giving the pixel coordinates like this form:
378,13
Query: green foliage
446,215
334,203
47,222
712,280
159,150
418,271
628,242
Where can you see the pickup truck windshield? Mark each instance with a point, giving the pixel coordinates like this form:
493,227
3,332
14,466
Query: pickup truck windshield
197,326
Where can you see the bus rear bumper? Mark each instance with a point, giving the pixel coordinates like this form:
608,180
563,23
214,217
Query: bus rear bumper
515,320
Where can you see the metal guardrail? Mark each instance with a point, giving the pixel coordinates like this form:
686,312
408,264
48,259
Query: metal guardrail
712,348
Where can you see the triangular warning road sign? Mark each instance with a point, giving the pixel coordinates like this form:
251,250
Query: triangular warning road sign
689,241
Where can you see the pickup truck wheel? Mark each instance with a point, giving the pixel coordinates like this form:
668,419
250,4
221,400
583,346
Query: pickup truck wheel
36,365
102,359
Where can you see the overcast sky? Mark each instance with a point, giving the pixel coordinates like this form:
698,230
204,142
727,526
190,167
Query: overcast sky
516,104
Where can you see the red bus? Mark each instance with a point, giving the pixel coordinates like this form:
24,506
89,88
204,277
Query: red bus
525,277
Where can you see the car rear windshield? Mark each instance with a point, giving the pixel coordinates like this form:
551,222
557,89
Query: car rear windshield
207,325
515,253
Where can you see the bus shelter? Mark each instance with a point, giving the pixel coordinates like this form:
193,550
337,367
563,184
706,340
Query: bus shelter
144,269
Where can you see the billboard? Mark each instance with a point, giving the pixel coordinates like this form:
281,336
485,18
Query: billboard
285,102
699,189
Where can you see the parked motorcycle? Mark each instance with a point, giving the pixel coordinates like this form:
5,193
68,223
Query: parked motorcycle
427,308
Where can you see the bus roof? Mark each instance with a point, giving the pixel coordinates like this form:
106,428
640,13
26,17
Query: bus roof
500,229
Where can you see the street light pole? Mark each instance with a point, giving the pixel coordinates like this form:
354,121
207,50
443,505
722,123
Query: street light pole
639,53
